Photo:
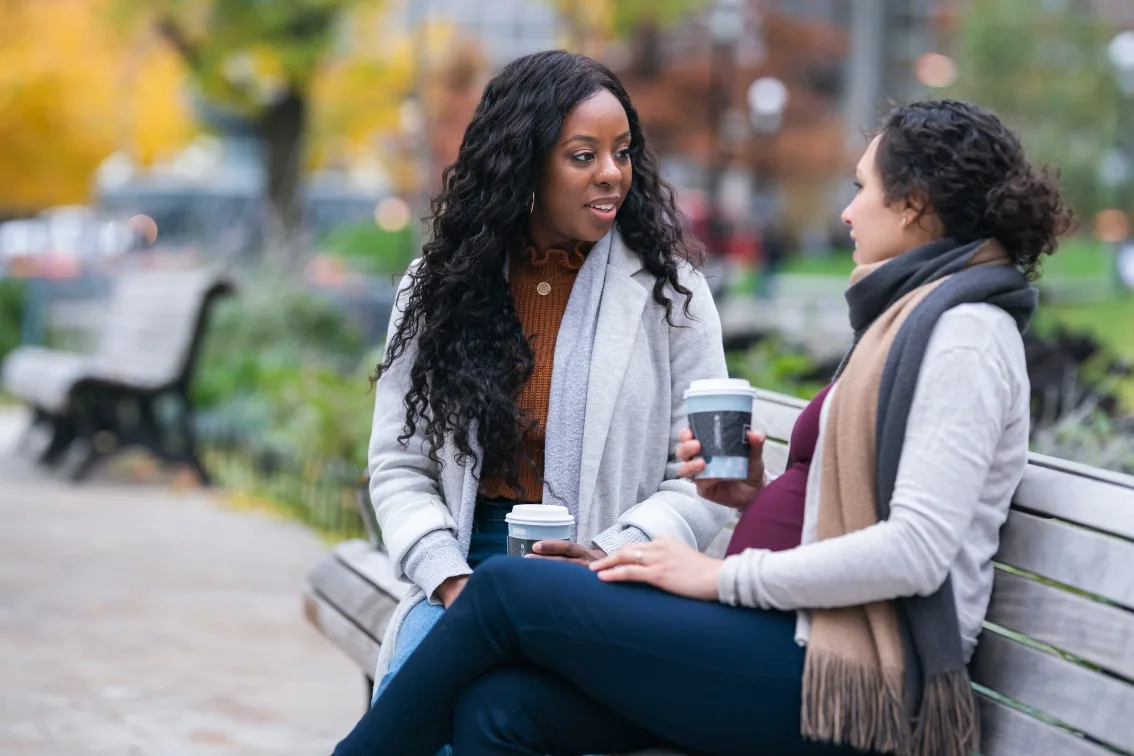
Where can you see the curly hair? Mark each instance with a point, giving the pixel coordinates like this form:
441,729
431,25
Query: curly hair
459,325
971,172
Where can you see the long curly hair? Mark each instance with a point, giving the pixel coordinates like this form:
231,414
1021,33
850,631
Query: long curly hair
972,172
459,323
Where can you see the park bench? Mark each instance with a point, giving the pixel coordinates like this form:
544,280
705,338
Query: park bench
133,387
1054,669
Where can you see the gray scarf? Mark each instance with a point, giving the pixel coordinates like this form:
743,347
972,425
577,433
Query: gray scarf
567,407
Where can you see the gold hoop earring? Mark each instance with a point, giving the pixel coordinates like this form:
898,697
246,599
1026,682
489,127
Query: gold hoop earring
532,208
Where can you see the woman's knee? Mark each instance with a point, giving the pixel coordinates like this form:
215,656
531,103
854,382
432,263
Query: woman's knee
496,568
526,573
495,714
517,578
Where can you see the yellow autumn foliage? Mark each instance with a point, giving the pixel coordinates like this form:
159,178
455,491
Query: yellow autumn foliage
72,91
77,84
356,98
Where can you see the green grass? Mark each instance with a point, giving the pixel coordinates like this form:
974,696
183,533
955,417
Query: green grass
838,263
1079,257
373,250
1110,321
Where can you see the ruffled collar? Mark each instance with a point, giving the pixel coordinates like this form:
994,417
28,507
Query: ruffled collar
559,258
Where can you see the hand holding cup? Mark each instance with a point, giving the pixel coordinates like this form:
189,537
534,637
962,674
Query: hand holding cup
731,492
721,452
565,551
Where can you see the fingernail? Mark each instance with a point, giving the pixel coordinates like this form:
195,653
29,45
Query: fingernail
537,547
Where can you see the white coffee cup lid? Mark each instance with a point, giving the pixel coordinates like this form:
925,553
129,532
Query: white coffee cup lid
718,386
540,514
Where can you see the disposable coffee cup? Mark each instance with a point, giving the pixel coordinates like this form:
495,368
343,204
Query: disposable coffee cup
720,416
529,523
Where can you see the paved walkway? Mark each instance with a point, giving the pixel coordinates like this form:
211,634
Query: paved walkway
136,619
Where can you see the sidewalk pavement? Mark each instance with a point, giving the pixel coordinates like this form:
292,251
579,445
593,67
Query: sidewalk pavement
139,619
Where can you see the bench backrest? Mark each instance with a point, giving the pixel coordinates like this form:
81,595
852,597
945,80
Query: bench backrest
1054,668
154,325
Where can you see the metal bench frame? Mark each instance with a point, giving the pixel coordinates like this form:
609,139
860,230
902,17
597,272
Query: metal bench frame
104,414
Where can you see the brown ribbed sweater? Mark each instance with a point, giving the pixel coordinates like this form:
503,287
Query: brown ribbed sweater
540,317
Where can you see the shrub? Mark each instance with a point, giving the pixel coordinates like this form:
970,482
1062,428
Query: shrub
12,297
285,408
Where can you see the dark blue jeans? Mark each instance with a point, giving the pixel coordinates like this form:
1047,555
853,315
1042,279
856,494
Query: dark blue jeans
489,538
542,658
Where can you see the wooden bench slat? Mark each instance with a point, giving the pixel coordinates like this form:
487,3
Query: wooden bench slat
1082,559
775,457
776,414
355,597
356,644
1082,470
1005,731
719,544
1104,506
1089,701
373,565
1100,634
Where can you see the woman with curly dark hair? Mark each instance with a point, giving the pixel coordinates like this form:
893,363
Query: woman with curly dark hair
853,591
540,346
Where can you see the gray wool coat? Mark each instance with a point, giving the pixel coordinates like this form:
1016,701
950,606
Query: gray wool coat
629,489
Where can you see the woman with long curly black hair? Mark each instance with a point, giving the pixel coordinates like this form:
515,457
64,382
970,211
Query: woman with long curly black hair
540,346
852,594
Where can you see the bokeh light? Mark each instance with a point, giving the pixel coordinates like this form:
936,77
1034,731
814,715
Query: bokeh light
1112,226
935,70
145,227
392,214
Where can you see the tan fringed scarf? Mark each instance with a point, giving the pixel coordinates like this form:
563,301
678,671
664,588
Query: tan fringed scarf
857,677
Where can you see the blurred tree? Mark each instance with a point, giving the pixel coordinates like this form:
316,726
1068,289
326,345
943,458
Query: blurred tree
258,63
592,23
358,93
74,91
1043,67
450,88
627,15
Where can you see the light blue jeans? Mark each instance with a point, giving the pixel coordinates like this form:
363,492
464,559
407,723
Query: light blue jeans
416,625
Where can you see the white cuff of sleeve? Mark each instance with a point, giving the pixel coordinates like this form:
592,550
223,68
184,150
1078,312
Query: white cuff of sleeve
738,581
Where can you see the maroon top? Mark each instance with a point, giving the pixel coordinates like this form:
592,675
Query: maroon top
774,519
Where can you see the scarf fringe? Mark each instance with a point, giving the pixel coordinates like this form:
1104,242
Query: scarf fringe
948,723
846,702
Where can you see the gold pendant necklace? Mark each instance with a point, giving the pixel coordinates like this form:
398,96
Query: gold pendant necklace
544,287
